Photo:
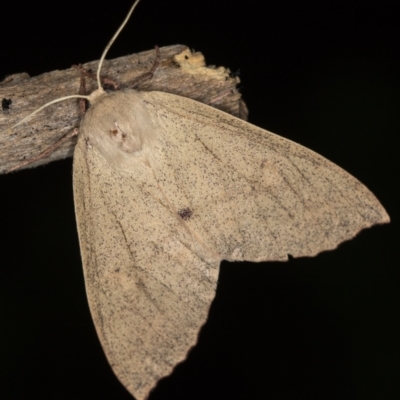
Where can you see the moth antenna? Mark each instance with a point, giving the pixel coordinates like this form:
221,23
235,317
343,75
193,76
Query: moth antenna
98,73
110,43
72,96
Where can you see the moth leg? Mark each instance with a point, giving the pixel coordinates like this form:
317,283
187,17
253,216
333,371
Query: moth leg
150,74
82,91
111,83
46,152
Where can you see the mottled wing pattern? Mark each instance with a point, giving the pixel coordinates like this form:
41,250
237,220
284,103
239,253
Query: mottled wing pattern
254,195
148,291
165,188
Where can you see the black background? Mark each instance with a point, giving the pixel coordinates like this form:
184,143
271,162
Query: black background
324,74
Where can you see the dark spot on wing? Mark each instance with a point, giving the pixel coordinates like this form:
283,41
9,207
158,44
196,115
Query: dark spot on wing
185,213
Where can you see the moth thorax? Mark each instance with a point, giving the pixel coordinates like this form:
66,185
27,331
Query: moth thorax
119,125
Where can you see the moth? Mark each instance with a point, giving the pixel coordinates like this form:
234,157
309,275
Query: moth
164,189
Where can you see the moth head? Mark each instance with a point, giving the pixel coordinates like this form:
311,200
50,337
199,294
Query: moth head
121,137
120,126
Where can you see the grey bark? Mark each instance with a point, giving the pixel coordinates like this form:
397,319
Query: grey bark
180,71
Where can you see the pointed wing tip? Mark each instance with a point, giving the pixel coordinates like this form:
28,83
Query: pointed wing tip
385,219
379,216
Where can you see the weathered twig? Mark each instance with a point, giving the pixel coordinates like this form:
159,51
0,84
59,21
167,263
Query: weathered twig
180,71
